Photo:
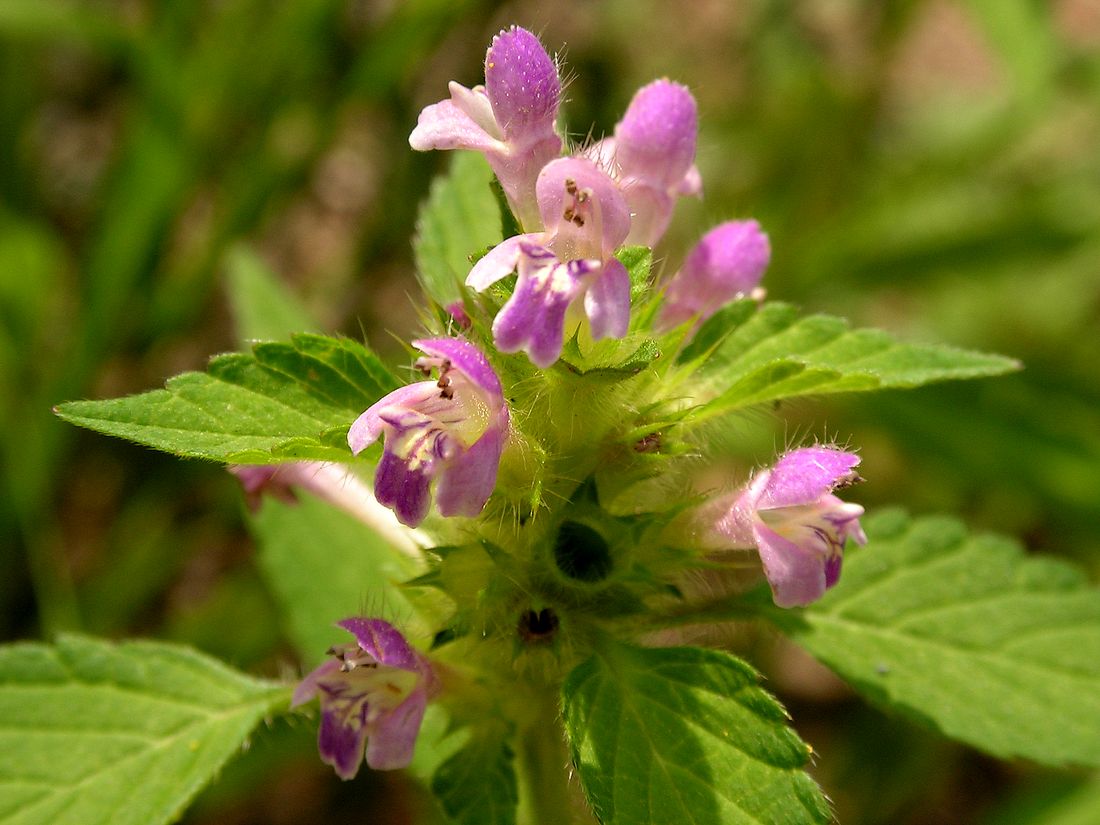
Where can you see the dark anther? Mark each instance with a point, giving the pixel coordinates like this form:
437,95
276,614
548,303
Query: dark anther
538,627
578,220
848,480
570,186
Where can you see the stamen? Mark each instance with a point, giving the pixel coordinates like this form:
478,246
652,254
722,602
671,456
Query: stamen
573,212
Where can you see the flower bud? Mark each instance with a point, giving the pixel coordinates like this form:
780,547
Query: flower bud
728,262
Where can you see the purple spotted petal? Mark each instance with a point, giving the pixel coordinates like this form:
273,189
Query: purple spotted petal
467,482
804,475
466,358
369,425
522,83
533,319
728,261
655,140
393,736
607,301
582,209
796,574
406,492
341,745
500,261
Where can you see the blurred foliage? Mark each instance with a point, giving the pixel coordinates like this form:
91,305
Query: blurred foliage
926,166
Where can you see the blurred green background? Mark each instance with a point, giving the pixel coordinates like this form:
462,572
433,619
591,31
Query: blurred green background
930,167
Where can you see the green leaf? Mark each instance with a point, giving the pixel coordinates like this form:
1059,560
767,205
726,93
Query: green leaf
264,309
965,632
284,402
620,367
126,734
323,565
458,222
638,261
1024,38
773,354
477,784
685,735
1076,805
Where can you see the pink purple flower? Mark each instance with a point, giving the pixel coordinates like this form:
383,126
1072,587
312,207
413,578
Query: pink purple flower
373,693
789,513
510,119
652,155
452,428
728,262
566,272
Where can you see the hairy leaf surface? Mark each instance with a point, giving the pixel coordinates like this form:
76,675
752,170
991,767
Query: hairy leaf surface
126,734
967,633
685,735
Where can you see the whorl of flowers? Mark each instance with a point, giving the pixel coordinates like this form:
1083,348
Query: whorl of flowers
546,466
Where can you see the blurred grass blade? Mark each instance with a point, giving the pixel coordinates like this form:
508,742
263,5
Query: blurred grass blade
264,309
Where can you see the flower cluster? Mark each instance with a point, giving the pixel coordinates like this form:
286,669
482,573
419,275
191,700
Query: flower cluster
447,435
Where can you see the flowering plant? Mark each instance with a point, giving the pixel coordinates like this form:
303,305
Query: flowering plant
536,532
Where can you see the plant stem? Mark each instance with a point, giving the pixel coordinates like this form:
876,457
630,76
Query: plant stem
543,765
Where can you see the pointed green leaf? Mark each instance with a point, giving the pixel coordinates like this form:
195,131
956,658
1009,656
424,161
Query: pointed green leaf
126,734
477,784
965,632
773,354
281,403
685,735
457,223
638,261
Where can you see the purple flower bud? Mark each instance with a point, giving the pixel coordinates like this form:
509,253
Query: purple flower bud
510,119
652,155
586,220
373,694
728,262
791,515
522,84
655,140
458,312
453,427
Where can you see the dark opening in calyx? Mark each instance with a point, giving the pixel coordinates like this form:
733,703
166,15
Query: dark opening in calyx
581,553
